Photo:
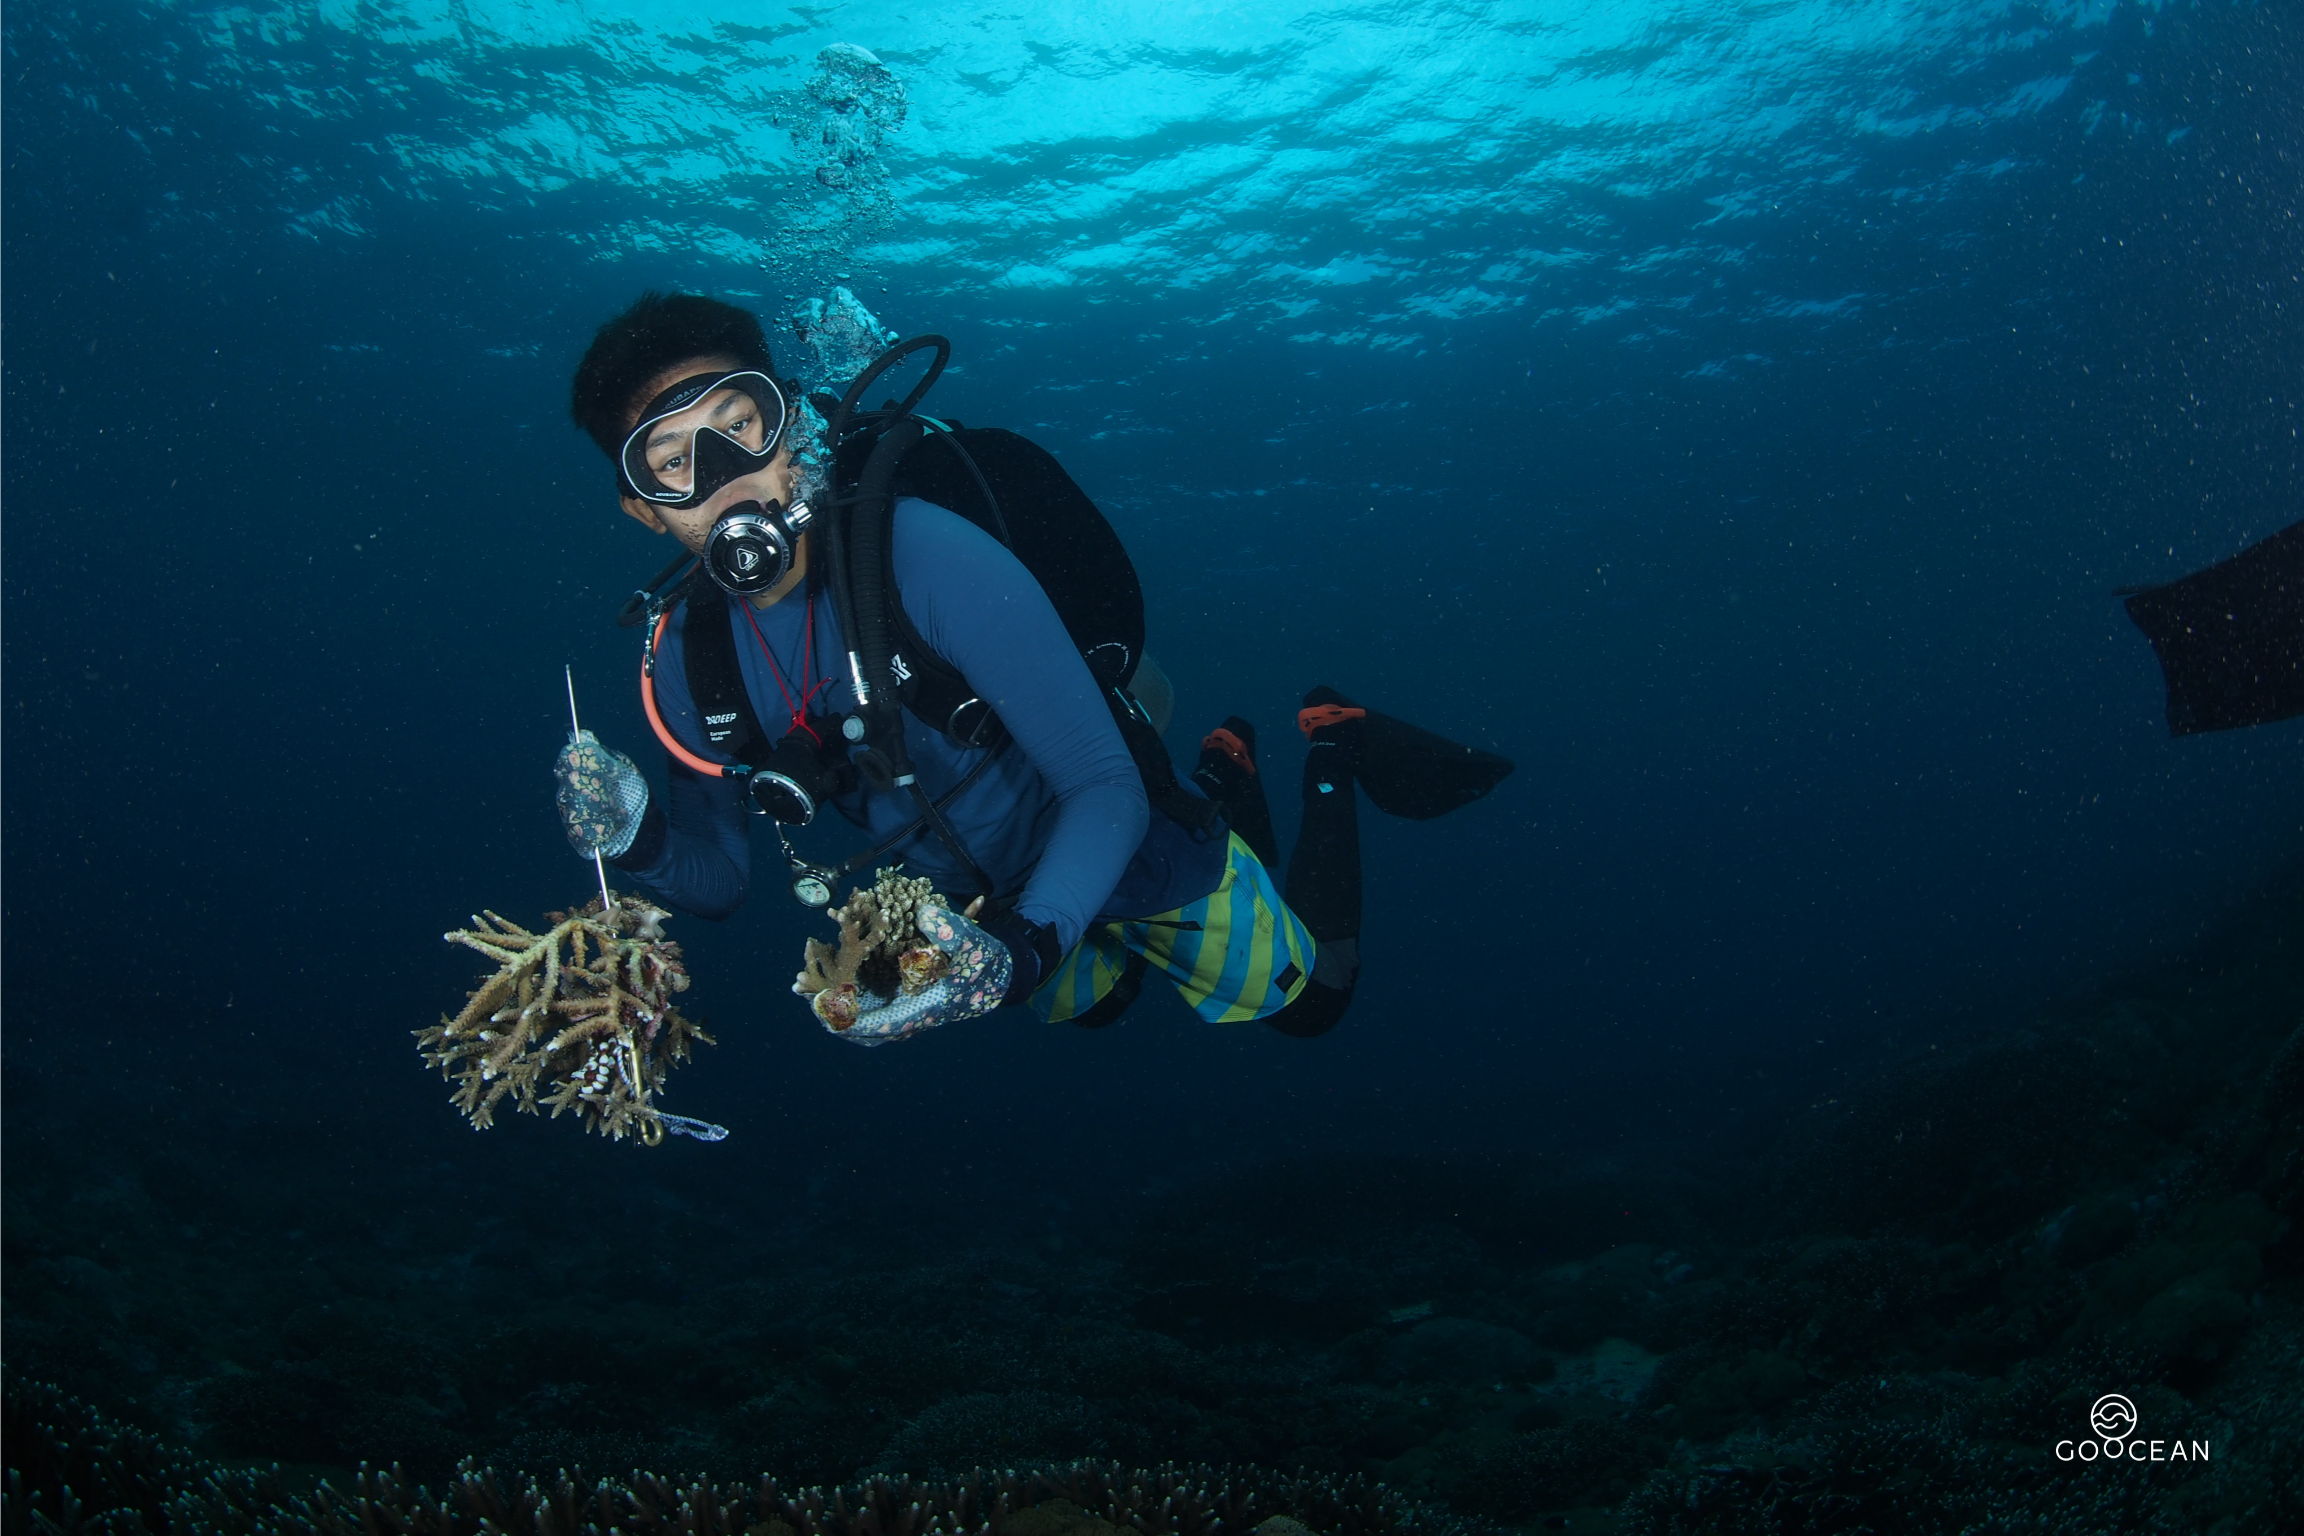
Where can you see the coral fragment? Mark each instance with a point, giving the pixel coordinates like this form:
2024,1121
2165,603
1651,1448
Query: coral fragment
879,950
576,1018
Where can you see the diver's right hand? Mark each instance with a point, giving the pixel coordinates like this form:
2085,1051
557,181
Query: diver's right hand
603,797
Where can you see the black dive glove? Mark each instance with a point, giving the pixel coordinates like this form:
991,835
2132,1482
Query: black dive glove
1032,950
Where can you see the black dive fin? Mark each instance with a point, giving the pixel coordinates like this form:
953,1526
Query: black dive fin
1410,772
2231,638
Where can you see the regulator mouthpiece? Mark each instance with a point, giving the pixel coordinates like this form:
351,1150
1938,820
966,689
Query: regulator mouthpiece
752,546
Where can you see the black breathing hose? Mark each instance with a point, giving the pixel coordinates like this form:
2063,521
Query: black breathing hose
869,524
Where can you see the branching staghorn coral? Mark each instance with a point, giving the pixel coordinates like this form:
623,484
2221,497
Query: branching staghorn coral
578,1017
880,952
70,1468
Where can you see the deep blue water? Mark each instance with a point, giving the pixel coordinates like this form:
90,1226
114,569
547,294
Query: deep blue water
1741,415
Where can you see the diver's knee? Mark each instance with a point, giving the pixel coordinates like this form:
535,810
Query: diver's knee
1315,1011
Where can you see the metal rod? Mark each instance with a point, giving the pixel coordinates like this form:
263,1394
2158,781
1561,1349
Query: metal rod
575,730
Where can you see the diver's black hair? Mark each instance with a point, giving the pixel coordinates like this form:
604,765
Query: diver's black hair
658,331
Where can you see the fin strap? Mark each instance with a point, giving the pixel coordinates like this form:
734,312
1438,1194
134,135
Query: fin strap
1231,746
1320,716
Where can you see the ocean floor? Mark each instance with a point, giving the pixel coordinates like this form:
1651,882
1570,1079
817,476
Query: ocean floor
1889,1318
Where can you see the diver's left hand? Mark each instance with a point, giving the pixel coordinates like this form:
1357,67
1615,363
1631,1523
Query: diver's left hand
977,970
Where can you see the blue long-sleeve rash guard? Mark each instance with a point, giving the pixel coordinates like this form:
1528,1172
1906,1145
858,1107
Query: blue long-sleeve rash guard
1059,815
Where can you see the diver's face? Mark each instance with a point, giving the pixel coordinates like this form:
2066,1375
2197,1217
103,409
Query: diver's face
669,445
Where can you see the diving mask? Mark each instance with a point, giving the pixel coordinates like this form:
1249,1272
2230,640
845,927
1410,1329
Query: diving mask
701,433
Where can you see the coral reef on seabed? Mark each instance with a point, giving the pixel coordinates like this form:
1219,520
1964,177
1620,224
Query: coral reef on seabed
1885,1321
577,1018
70,1468
879,953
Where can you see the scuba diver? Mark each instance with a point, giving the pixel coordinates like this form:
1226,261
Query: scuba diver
964,690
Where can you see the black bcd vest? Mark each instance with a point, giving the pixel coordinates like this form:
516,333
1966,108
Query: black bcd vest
1013,489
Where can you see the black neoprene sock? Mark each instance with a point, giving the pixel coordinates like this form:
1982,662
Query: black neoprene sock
1324,884
1239,791
1324,870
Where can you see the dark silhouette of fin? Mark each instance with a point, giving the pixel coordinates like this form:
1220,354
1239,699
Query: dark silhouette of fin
2231,638
1406,770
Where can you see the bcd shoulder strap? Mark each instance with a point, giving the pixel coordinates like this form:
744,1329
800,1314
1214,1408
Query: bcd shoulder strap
716,680
1015,490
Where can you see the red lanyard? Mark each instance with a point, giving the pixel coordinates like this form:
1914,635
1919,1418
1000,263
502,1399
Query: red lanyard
798,707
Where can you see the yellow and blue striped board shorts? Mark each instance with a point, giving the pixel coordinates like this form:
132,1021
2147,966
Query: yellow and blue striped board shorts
1236,954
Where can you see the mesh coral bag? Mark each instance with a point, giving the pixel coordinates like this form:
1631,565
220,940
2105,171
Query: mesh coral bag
602,796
